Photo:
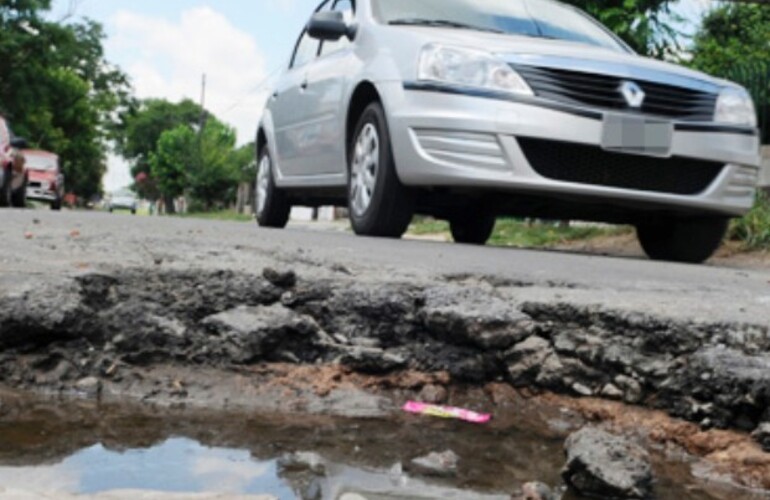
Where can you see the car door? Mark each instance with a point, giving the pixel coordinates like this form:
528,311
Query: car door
325,99
288,106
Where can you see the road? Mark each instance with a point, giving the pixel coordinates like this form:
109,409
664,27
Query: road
42,244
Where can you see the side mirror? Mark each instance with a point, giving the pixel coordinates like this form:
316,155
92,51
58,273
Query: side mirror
19,143
329,26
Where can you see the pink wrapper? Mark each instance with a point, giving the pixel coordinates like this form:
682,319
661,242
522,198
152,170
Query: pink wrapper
447,412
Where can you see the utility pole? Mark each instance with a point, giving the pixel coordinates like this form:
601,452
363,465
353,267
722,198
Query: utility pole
203,104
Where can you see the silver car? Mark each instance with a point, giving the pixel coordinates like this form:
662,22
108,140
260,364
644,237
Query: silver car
467,110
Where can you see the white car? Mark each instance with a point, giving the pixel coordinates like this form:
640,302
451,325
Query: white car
471,109
123,201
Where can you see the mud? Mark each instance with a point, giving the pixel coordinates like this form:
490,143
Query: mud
83,446
279,342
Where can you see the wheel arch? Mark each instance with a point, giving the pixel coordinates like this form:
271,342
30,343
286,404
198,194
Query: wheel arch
364,94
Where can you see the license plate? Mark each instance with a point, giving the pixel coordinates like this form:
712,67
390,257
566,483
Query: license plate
636,134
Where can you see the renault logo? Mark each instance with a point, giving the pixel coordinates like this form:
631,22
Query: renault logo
633,94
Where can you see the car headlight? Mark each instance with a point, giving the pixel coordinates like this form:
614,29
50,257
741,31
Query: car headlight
735,106
470,68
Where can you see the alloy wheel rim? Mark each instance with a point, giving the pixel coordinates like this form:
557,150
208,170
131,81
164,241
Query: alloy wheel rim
366,162
263,183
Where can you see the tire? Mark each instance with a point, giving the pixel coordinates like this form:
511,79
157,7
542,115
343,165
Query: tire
691,241
133,212
5,189
378,203
473,228
19,197
56,204
271,205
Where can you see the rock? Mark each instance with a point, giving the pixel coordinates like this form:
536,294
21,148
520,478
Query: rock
632,390
258,332
473,316
762,436
281,279
582,390
436,464
433,394
89,387
603,465
611,391
303,461
372,360
536,491
526,359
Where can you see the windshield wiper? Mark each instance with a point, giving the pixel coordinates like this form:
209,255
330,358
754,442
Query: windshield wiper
442,23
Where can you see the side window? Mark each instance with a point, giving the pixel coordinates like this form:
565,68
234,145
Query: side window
348,10
306,51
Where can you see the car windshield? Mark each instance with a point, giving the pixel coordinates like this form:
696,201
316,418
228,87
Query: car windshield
37,162
533,18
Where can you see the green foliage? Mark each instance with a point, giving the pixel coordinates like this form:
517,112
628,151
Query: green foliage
515,233
57,89
645,25
174,156
214,176
172,159
732,35
753,230
140,130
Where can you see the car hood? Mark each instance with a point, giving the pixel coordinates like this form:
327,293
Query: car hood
537,51
123,200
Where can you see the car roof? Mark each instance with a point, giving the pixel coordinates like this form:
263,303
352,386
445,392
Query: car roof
39,152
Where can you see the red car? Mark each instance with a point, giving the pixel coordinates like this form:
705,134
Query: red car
45,178
13,175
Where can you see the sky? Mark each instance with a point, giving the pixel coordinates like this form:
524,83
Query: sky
165,46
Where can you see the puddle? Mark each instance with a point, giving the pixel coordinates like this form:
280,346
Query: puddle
84,448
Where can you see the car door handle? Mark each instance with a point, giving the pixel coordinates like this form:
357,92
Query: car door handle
304,85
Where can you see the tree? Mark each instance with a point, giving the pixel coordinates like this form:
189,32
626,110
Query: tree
645,25
171,161
140,130
730,36
58,90
214,177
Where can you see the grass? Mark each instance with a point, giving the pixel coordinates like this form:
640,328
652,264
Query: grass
516,233
753,229
223,215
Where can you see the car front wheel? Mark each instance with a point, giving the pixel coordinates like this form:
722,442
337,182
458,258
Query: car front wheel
271,205
19,197
5,188
685,240
473,227
378,203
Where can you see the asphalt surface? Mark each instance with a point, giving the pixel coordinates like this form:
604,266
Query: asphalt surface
41,246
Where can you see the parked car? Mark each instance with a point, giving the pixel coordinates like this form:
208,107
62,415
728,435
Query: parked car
46,179
13,174
123,201
468,109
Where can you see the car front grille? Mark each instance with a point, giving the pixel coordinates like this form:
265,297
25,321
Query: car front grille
582,164
603,91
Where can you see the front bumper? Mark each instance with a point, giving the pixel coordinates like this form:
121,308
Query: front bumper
41,194
449,137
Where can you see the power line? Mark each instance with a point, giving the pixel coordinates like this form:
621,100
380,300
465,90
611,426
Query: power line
254,90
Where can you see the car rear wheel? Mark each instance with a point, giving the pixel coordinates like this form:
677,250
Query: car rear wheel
19,197
682,240
378,203
271,205
56,204
5,188
474,227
